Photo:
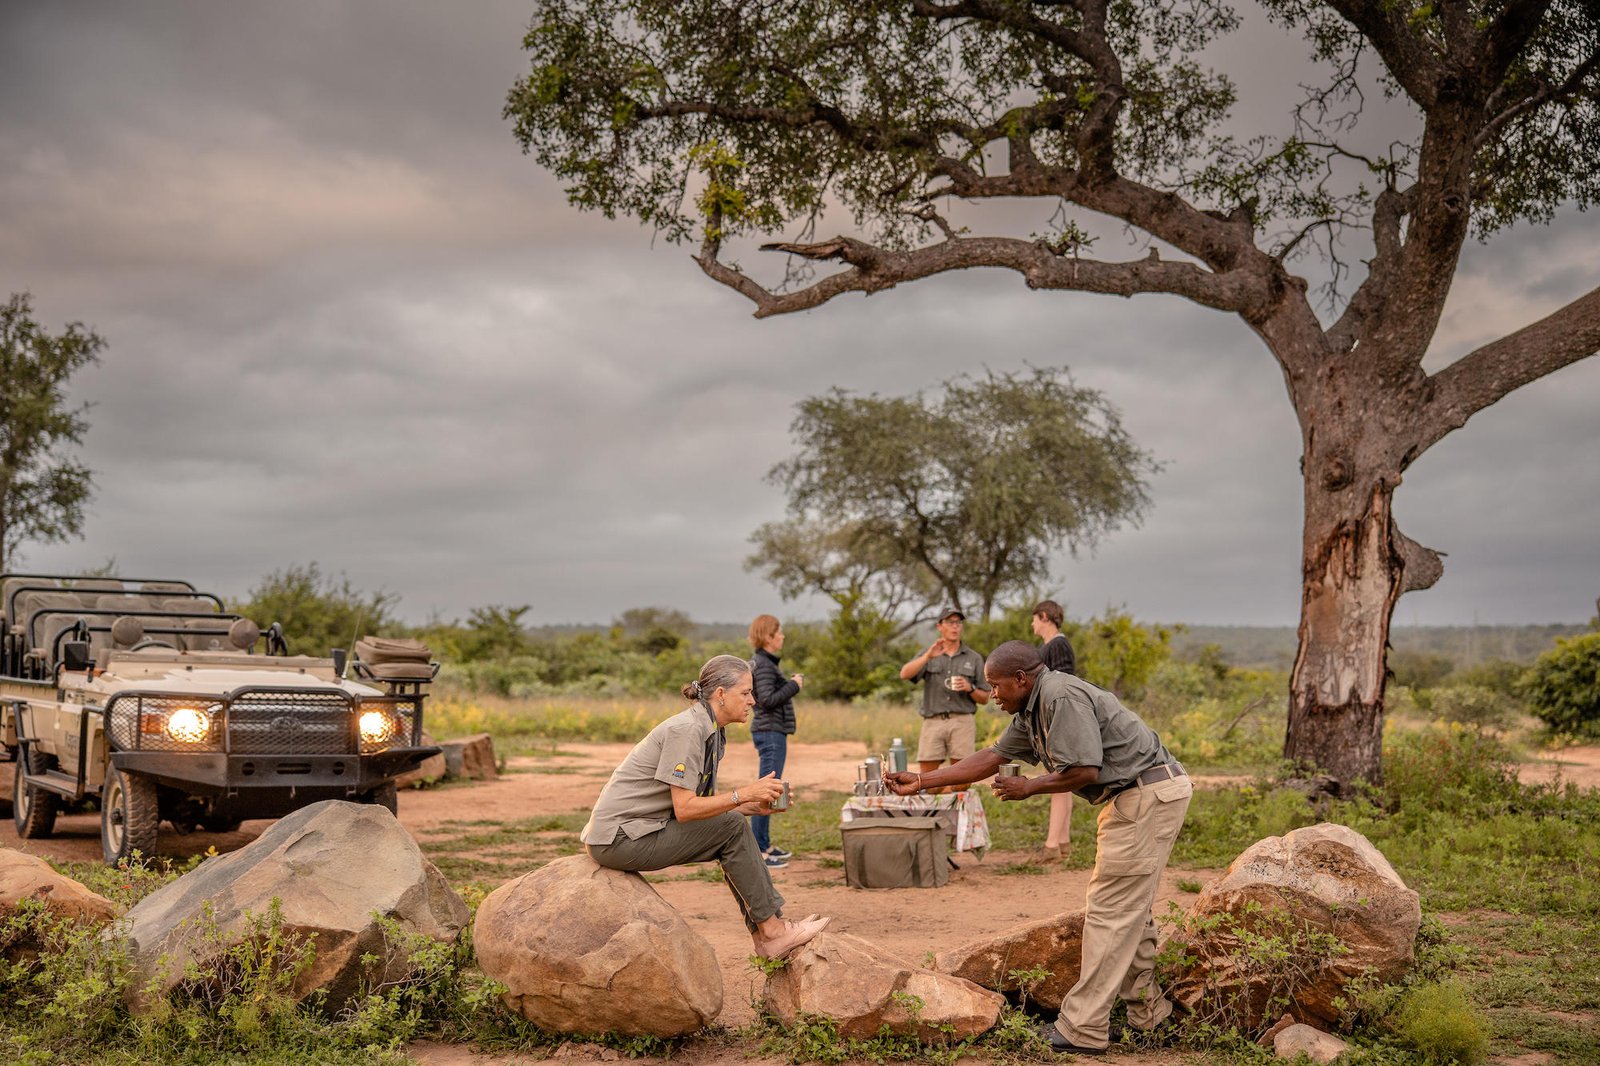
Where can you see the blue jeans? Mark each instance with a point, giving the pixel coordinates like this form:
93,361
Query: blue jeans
772,749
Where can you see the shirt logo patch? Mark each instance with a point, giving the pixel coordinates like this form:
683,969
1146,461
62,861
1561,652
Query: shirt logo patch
679,770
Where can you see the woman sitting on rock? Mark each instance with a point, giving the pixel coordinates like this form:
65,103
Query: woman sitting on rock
661,806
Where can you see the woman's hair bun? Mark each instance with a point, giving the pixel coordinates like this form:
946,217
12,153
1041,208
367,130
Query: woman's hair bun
691,691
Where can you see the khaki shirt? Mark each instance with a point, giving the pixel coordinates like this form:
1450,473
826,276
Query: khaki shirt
682,752
936,698
1068,722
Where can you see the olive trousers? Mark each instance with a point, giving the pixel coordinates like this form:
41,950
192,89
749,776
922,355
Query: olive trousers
725,839
1134,836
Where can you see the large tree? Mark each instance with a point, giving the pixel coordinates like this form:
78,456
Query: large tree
957,497
748,118
42,487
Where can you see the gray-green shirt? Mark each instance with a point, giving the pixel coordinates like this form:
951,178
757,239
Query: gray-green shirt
1068,722
681,752
937,698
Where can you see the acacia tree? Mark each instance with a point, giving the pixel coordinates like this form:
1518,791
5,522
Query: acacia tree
42,490
917,502
892,108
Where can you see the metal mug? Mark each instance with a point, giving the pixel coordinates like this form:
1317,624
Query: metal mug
1010,769
861,788
784,799
950,682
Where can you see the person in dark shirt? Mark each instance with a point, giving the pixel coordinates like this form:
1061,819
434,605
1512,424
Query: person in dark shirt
773,722
1057,655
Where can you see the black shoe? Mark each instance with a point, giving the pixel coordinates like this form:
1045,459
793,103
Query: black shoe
1061,1045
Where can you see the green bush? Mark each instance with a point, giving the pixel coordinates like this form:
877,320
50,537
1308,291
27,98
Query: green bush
1563,687
1440,1022
1471,705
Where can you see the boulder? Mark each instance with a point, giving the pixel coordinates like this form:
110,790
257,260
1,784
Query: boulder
433,768
1052,944
471,758
1314,1044
583,949
861,988
332,866
25,876
1321,879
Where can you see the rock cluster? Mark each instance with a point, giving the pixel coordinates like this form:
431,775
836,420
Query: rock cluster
1052,945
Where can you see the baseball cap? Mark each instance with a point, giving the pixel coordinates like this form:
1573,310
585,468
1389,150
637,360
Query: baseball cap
952,612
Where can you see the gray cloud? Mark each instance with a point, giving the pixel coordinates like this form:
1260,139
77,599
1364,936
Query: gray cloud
350,323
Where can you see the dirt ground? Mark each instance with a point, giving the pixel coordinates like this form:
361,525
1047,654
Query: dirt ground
979,900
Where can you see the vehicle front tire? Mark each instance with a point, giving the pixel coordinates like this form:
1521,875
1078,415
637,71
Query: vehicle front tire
129,816
34,809
386,795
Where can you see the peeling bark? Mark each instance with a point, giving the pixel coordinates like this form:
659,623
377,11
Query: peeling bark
1351,579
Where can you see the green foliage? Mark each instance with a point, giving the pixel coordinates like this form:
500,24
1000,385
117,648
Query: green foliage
1563,688
857,655
1440,1022
1419,669
317,611
958,497
1117,653
42,493
1272,956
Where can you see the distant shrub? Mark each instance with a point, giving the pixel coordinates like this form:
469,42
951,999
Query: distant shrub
1443,1026
1472,705
1563,687
1419,669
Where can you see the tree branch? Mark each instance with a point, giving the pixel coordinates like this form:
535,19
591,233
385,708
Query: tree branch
873,269
1479,379
1532,102
1388,213
1416,68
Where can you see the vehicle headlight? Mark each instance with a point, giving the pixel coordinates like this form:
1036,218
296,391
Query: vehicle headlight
378,727
188,725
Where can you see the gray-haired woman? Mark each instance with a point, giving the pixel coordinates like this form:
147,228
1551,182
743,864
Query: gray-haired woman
661,806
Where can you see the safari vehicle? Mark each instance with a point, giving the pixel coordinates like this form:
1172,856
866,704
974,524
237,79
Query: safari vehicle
151,698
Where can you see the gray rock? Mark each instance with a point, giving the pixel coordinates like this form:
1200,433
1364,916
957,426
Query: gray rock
583,949
471,758
1316,1045
331,865
862,988
1326,878
1053,944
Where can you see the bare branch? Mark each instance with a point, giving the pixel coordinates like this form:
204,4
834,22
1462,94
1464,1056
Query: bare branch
1479,379
873,269
1537,99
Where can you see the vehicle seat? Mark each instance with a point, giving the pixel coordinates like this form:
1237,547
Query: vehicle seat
12,613
216,640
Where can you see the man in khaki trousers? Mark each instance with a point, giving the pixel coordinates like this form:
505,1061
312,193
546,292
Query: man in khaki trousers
1089,743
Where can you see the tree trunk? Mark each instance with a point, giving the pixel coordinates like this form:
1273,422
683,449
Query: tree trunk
1353,573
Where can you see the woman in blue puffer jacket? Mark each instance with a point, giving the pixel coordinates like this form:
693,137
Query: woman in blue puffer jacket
772,722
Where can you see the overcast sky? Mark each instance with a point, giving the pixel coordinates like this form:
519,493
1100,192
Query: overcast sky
350,323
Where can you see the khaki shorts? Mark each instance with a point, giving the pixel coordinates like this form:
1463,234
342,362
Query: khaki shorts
951,738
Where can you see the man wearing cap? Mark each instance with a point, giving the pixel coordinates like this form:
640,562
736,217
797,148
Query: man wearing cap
953,687
1089,743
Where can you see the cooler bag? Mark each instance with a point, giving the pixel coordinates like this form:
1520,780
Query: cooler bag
895,853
